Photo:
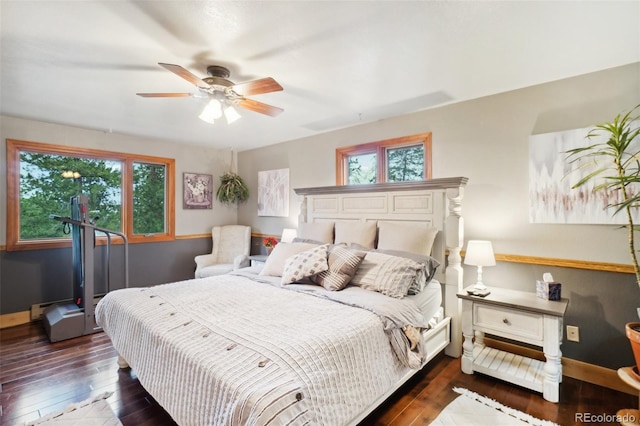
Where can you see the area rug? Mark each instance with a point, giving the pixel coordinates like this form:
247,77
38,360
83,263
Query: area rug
91,412
471,408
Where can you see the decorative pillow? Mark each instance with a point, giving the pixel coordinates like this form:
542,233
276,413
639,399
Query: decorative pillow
406,237
343,264
428,268
386,274
318,231
274,266
305,264
363,233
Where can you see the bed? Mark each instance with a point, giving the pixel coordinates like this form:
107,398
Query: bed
277,345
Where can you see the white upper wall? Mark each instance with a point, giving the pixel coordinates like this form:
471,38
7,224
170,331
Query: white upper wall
486,140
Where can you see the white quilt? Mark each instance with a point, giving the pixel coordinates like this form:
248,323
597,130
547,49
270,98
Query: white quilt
227,350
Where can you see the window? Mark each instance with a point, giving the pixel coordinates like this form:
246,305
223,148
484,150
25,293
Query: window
128,193
393,160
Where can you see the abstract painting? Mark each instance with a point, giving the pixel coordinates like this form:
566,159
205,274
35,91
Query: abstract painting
551,176
273,193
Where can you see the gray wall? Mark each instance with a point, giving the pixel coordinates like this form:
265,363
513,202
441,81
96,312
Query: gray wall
39,276
487,140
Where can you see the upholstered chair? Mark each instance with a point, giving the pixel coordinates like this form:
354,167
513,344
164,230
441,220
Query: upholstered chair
230,251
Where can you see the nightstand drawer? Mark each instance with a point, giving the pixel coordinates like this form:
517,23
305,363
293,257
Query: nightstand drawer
510,323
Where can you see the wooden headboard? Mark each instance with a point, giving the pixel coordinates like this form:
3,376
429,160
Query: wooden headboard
433,203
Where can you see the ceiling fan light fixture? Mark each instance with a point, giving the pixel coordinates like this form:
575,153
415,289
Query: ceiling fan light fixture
211,112
231,114
223,93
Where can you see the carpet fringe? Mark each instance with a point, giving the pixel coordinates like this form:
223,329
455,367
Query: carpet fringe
507,410
70,408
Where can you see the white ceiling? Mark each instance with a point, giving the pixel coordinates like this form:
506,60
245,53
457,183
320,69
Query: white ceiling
341,63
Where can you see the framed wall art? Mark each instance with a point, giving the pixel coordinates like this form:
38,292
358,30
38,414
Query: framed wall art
551,178
273,193
197,191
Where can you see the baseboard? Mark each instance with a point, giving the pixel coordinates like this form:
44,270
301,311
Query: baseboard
15,318
573,368
35,314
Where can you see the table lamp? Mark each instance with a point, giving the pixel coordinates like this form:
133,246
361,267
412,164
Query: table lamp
288,234
479,253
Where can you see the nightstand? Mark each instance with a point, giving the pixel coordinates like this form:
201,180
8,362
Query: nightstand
258,259
522,317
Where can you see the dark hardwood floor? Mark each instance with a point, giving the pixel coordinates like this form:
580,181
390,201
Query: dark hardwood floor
38,377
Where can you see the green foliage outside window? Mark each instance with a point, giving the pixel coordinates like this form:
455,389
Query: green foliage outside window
362,169
405,164
148,198
44,191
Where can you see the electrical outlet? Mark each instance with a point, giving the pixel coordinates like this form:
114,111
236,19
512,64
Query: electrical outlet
573,333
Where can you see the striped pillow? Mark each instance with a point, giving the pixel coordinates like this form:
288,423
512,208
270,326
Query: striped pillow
386,274
305,264
343,264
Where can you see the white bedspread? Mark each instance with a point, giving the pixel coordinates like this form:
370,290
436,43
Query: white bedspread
227,350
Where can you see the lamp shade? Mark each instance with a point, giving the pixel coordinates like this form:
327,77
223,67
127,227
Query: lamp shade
479,253
231,114
288,234
211,112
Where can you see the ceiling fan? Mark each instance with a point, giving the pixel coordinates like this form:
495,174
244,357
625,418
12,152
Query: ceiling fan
224,93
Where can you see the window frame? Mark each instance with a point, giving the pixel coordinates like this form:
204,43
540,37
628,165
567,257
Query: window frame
380,149
15,147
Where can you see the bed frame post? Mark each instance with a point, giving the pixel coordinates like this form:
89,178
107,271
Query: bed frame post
454,224
302,216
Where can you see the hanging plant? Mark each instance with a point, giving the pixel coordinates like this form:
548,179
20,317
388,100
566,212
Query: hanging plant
232,189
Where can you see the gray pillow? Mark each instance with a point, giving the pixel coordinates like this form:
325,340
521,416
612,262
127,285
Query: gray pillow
428,268
343,264
386,274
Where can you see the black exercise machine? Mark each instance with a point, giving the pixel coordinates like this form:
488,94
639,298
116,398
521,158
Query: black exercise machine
66,321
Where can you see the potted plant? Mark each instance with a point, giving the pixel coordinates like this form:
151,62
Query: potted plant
232,189
613,166
269,243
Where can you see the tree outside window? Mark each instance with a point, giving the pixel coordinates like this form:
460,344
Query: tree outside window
393,160
127,193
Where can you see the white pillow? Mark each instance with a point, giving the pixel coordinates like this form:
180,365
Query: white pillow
363,233
274,266
305,264
406,237
317,231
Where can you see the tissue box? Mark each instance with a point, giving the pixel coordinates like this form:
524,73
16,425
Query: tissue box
548,291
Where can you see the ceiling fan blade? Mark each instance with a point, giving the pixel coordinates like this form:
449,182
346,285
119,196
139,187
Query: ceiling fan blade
256,87
260,107
164,95
182,72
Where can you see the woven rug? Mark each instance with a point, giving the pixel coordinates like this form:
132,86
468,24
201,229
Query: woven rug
471,408
91,412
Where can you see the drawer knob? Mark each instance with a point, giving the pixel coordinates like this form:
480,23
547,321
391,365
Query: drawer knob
506,321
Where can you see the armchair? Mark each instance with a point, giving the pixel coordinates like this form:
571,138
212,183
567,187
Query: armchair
230,250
